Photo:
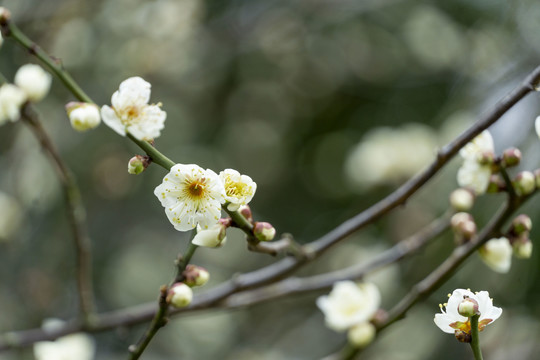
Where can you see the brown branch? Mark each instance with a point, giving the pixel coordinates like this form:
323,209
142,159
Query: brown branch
76,214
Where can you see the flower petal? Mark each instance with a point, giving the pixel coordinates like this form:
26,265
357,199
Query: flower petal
109,117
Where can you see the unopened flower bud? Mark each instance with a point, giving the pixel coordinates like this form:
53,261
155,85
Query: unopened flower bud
195,275
525,183
34,81
496,184
83,116
468,307
511,157
138,164
497,254
212,237
361,335
522,247
245,210
459,218
463,336
521,224
180,295
264,231
462,199
11,100
5,16
486,157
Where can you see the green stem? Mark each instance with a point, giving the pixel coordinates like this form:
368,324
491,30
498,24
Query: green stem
55,65
184,261
154,154
475,341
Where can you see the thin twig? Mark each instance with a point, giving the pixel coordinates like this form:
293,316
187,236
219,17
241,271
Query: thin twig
76,214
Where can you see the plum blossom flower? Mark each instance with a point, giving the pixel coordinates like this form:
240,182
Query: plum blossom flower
349,304
450,320
34,81
191,196
497,254
131,113
11,100
83,116
475,171
239,189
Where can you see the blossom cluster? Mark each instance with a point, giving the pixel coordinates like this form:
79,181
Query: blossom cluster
31,83
351,306
192,196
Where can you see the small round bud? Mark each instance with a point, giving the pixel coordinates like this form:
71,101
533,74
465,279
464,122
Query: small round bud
522,247
212,237
195,275
496,184
463,336
486,157
34,81
361,335
497,254
245,210
180,295
525,183
511,157
83,116
462,199
138,164
5,16
459,218
468,307
264,231
521,224
11,100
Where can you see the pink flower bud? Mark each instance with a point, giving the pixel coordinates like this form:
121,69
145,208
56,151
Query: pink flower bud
195,275
264,231
521,224
511,157
5,16
245,210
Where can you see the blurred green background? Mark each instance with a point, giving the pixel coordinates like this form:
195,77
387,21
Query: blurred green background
328,105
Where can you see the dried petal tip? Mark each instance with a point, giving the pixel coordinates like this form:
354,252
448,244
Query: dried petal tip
195,275
468,307
462,336
83,116
511,157
264,231
361,335
138,164
462,199
180,295
5,16
521,224
525,183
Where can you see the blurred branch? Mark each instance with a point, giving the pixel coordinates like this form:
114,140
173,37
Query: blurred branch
221,295
76,214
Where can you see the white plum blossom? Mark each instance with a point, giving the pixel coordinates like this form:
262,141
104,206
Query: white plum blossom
191,196
475,173
75,346
450,320
497,254
34,81
131,113
213,237
239,189
349,304
180,295
11,100
83,116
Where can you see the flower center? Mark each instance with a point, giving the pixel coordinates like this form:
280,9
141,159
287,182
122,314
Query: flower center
235,189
